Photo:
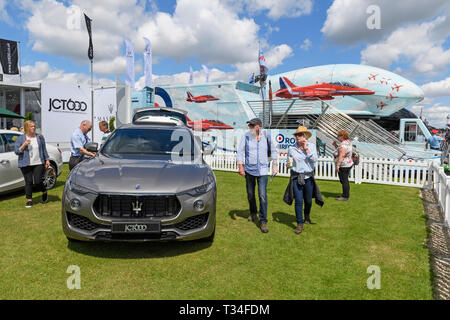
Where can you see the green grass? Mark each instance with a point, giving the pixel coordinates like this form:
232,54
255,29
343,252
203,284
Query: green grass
380,225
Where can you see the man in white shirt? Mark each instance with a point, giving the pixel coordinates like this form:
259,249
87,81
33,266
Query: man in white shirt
103,126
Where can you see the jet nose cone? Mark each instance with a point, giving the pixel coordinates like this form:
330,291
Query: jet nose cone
420,95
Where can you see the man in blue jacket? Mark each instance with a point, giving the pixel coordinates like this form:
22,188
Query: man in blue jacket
255,150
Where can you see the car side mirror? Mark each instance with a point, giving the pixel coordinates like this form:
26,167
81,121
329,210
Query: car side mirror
92,147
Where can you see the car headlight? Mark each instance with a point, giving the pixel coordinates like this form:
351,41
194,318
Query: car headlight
79,189
208,185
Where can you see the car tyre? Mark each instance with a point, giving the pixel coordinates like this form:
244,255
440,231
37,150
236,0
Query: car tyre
50,176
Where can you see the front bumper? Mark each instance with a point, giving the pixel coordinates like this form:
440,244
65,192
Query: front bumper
189,224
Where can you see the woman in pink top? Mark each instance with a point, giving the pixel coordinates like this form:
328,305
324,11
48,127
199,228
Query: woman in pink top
344,162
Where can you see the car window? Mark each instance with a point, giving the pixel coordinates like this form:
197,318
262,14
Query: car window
161,113
2,144
149,141
10,141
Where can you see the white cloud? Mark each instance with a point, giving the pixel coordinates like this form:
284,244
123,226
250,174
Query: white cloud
346,21
419,44
306,45
437,88
42,71
274,58
436,114
4,16
210,31
279,8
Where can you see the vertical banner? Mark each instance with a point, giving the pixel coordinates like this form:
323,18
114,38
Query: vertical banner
105,109
191,75
205,68
130,63
89,30
148,63
9,56
63,107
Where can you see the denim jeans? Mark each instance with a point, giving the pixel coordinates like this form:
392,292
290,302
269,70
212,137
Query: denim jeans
262,192
303,194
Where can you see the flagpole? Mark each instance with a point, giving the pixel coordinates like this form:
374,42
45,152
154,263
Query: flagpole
20,64
261,85
92,98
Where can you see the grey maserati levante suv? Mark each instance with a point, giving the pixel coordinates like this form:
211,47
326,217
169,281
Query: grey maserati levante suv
146,183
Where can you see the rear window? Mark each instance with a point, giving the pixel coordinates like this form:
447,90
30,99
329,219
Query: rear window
161,113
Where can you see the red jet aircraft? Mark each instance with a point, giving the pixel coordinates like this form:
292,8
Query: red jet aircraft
205,125
397,86
391,96
200,99
381,105
322,91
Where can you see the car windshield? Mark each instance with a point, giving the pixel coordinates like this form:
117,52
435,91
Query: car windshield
161,113
142,143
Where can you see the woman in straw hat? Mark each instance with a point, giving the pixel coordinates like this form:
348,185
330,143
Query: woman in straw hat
302,158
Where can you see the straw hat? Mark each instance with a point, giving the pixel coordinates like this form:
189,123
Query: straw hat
304,130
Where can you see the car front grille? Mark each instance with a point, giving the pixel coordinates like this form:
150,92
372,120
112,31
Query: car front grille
120,206
83,223
193,222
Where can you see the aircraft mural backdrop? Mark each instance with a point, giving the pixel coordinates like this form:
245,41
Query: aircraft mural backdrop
222,107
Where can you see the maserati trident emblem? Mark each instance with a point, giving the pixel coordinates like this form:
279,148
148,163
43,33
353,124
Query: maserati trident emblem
137,206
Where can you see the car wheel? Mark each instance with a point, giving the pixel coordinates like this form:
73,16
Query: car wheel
50,177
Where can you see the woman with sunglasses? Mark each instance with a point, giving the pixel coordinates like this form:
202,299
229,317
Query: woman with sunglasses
302,158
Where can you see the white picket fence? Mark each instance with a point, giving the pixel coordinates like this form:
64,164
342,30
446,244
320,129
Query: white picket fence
408,173
441,186
384,171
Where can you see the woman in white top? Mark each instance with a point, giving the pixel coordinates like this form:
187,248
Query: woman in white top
33,159
344,162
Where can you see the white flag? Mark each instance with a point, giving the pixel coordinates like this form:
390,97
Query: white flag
191,75
130,63
148,63
205,68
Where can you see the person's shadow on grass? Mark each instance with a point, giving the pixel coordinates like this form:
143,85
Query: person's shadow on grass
243,214
285,218
326,194
239,213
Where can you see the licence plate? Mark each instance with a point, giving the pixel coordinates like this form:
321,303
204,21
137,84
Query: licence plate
133,227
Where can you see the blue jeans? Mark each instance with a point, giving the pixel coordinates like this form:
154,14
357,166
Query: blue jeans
262,192
303,194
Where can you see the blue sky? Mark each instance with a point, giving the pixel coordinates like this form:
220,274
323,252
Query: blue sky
413,39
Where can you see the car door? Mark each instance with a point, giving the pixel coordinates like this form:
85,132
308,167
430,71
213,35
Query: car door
10,175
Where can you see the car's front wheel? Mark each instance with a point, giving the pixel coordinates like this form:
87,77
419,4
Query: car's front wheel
50,177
